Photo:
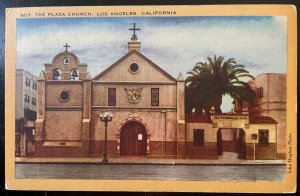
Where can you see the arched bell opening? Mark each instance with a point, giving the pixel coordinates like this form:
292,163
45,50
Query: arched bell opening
74,74
57,74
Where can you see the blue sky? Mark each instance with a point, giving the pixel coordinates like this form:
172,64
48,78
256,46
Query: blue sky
176,44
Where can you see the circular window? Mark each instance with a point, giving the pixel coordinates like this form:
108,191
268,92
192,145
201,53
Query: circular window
134,67
64,96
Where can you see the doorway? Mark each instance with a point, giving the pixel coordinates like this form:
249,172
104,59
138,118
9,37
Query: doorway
133,140
231,141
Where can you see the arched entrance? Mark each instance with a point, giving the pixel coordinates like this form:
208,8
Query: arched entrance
231,140
133,139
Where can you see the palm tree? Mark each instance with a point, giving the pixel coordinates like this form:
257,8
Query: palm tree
209,81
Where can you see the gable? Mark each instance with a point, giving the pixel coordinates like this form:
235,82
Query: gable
147,71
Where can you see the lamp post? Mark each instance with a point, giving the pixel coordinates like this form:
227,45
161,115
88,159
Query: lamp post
105,117
254,137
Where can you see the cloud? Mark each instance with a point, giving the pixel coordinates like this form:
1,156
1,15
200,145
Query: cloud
175,44
251,42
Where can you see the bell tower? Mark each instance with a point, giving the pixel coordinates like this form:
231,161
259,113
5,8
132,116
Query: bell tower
65,66
63,107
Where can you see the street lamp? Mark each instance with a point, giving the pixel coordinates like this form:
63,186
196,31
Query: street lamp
105,117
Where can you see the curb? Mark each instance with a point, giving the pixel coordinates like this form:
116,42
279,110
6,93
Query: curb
145,163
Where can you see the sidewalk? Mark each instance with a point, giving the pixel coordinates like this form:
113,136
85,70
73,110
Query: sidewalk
226,159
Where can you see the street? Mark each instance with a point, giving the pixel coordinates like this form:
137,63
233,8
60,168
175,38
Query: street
153,172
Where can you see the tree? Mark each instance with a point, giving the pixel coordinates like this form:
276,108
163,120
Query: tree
208,82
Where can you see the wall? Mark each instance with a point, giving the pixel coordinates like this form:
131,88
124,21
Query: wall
167,96
209,149
273,104
146,71
261,152
62,119
54,88
64,125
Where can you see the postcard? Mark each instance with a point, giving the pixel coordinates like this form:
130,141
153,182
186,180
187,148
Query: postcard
151,98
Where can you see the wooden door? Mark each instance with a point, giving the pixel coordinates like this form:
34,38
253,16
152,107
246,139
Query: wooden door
133,139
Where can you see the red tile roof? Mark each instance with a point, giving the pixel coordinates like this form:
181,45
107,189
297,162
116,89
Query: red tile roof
261,120
197,119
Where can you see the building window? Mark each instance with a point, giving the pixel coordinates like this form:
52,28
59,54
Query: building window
154,96
66,60
112,96
64,96
34,85
74,75
134,67
27,82
33,101
260,92
198,137
263,137
56,74
27,98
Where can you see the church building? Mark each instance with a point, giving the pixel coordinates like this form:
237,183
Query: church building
146,102
148,114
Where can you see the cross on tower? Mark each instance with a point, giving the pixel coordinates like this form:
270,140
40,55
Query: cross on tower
66,46
134,36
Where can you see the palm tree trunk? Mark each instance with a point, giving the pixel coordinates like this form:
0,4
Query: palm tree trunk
217,103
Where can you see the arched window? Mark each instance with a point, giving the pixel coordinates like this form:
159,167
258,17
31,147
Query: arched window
74,74
56,74
66,60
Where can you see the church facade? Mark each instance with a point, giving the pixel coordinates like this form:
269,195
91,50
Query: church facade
147,105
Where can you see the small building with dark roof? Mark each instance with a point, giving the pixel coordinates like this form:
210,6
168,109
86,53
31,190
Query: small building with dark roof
207,137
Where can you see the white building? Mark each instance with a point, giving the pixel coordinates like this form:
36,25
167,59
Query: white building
26,88
26,96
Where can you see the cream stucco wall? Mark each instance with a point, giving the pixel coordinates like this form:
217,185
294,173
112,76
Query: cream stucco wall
210,133
75,90
146,71
254,129
63,125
